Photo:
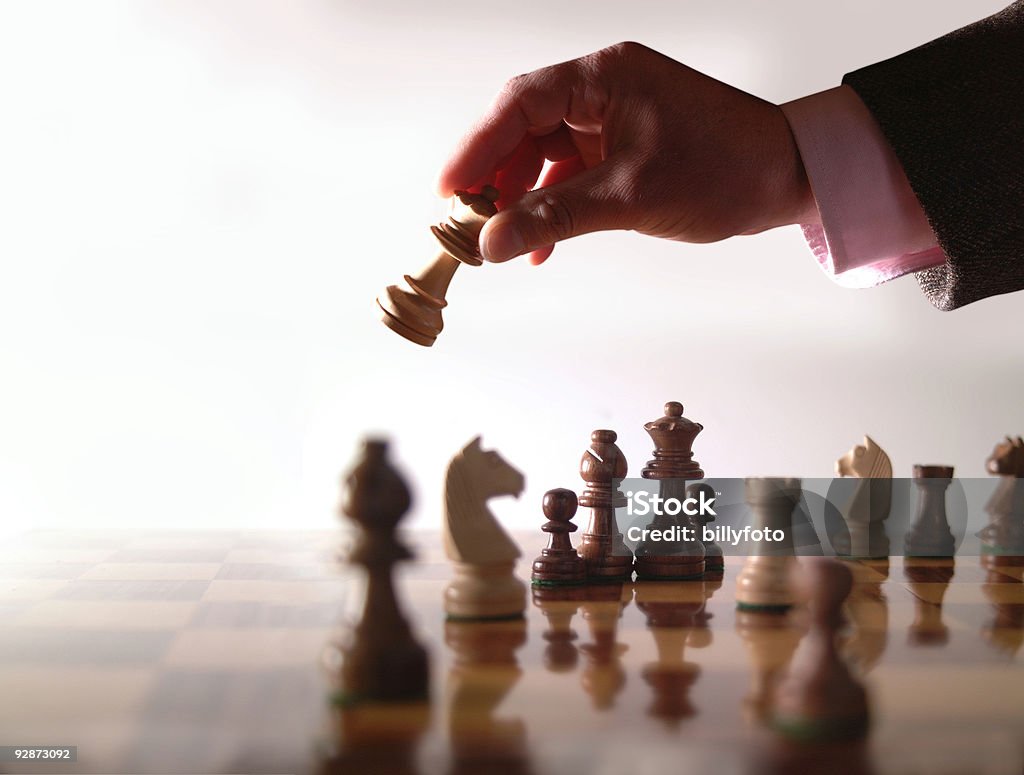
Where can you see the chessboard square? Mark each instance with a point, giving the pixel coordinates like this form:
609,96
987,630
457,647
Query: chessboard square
263,591
246,649
27,591
997,594
277,556
288,540
272,571
47,645
251,614
153,571
69,693
186,552
228,697
43,570
104,614
29,553
112,589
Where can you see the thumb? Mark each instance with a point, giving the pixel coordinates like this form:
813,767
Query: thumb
586,202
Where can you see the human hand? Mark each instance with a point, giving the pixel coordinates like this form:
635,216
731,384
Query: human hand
636,141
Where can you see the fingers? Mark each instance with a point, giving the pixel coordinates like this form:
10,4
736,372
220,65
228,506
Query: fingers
535,103
554,174
591,200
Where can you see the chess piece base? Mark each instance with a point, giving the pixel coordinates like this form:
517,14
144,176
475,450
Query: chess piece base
484,593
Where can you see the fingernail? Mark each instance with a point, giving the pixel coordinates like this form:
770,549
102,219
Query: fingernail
501,242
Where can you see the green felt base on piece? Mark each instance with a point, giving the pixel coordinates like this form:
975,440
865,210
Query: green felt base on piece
540,583
764,609
467,619
806,730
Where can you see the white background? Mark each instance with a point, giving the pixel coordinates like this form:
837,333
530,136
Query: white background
199,202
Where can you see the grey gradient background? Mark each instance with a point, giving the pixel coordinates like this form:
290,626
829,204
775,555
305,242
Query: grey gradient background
199,202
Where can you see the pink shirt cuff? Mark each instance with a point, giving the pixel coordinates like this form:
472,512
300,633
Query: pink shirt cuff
872,227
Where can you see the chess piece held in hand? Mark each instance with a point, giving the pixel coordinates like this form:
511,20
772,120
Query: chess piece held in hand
819,699
413,310
483,554
381,660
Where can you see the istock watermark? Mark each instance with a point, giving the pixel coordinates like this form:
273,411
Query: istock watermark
845,516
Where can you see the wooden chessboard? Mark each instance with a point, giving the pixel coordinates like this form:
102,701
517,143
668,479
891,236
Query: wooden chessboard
200,653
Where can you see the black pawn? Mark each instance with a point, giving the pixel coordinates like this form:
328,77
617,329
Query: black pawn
714,560
559,564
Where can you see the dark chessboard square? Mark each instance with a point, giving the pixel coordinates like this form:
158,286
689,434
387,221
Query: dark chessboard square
274,572
112,590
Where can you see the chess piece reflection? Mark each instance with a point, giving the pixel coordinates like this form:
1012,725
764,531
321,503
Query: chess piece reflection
868,611
603,676
375,737
672,466
870,504
928,581
483,554
607,558
559,605
770,641
765,583
930,535
1002,540
414,309
819,699
670,609
381,661
558,563
484,671
1005,632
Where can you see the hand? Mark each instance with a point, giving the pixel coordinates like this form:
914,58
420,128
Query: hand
636,141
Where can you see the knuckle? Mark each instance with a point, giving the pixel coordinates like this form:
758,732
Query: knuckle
554,217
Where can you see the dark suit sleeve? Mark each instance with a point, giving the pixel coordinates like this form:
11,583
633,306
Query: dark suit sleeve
953,112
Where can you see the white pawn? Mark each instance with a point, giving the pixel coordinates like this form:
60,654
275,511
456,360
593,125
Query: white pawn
483,554
764,584
819,699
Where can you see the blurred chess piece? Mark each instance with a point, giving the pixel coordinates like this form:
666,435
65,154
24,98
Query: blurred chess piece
484,672
770,641
714,557
483,554
670,610
765,582
603,676
930,535
558,563
375,737
1002,540
413,310
673,464
819,699
869,507
381,661
1005,631
928,579
868,611
607,558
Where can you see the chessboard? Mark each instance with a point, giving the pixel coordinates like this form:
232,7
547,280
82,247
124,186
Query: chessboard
202,652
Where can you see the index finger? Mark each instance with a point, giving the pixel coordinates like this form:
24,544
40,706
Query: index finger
535,103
